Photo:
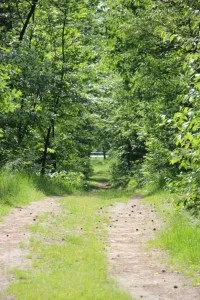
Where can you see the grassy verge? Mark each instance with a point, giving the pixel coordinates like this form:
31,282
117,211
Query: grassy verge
181,234
68,252
18,189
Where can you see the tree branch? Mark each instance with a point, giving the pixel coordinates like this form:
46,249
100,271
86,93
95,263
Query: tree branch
31,12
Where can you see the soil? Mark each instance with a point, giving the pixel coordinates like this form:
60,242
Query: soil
104,185
138,269
13,232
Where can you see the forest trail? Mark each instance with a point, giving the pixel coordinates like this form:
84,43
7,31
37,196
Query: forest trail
14,231
139,270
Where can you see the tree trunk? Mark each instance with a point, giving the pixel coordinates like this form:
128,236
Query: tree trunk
53,155
104,153
30,14
44,158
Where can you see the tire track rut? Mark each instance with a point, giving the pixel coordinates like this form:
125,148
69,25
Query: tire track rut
139,270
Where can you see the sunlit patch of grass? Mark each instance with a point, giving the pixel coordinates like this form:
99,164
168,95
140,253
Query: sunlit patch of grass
75,268
4,209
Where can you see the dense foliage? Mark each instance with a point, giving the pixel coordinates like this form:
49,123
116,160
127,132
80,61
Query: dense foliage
154,47
44,115
119,75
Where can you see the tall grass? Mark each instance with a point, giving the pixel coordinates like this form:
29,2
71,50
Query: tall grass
56,185
17,188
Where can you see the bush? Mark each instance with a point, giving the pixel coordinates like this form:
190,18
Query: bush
156,167
188,185
120,174
71,181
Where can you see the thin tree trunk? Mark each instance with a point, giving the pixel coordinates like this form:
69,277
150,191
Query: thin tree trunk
52,127
44,158
53,155
30,14
104,153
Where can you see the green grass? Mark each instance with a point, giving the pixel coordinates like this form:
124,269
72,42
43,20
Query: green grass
101,170
69,260
181,238
18,189
181,234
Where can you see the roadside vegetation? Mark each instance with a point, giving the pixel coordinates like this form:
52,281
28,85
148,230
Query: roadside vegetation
17,188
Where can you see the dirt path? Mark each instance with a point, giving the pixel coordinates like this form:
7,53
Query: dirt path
138,270
14,231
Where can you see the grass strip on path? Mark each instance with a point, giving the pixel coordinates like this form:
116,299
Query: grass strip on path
68,252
